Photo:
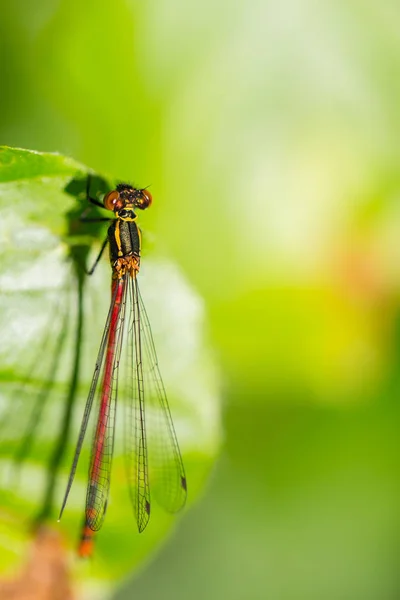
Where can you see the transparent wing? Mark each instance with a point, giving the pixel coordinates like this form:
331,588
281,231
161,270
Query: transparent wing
168,479
135,427
103,439
104,387
89,402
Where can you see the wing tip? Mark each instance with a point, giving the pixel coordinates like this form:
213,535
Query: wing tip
144,517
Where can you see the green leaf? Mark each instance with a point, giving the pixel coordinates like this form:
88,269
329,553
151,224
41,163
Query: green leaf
51,321
20,165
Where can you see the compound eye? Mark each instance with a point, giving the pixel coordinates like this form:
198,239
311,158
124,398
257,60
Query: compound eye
111,200
144,200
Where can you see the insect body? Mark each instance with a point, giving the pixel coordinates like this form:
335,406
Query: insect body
127,333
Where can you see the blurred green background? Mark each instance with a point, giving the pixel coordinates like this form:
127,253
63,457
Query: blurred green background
269,133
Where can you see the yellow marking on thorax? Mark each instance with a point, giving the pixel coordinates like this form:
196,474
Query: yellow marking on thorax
118,238
128,219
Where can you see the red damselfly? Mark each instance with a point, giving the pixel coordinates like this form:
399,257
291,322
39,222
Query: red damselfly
127,335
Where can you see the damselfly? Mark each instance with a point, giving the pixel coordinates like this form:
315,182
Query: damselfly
127,334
